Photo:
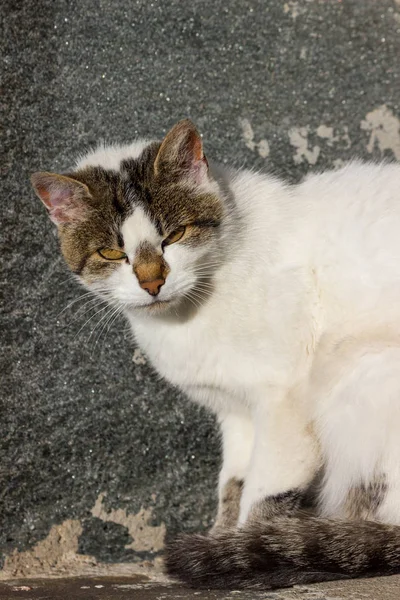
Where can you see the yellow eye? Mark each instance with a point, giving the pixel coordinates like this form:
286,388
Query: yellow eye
111,254
175,236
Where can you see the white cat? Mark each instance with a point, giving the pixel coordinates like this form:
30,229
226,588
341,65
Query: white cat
278,307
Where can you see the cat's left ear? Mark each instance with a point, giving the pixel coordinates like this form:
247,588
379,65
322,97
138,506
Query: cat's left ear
181,154
63,196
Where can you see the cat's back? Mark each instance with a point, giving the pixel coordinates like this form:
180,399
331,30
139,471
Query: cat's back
372,188
356,232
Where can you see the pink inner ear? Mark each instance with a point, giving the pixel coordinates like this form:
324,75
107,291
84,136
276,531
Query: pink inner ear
62,215
54,195
197,146
198,163
62,196
44,195
199,170
67,208
62,205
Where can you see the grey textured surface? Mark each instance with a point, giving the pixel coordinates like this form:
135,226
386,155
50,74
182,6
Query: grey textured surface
278,85
121,588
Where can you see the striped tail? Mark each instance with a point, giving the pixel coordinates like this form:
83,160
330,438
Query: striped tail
284,552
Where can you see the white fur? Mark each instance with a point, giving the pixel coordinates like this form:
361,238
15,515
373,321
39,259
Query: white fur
300,334
137,229
110,156
238,440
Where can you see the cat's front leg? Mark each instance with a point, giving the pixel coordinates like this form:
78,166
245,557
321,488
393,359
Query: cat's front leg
237,444
285,456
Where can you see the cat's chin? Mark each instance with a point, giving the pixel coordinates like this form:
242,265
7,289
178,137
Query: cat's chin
156,307
159,307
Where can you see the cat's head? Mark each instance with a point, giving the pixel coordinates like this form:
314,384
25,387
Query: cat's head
143,231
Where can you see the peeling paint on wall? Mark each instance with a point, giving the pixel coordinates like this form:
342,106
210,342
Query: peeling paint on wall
298,137
381,123
138,357
337,163
331,136
145,537
262,147
57,556
293,8
57,552
385,130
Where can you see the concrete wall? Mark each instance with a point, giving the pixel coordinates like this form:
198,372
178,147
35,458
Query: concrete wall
98,457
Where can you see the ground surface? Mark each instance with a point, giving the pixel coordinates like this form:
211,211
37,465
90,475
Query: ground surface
97,456
126,588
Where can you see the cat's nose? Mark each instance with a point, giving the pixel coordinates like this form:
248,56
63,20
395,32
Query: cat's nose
152,287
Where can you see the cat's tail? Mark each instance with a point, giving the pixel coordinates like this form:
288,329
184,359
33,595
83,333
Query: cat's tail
285,552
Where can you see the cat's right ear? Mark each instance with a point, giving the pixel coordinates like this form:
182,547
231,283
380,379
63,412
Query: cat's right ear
62,196
181,154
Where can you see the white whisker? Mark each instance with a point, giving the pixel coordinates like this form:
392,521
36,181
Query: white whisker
102,319
73,302
92,317
107,320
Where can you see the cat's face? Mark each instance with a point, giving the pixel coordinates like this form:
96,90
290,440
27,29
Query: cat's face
144,236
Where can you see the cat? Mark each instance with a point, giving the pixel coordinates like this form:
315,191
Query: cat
277,307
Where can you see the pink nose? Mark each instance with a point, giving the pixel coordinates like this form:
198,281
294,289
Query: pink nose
152,287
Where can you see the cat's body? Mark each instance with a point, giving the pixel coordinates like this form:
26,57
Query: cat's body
283,319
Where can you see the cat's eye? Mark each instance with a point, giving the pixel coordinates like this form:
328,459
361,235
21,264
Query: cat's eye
175,236
111,254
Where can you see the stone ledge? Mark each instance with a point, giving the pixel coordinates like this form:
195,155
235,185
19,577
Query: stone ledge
141,587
